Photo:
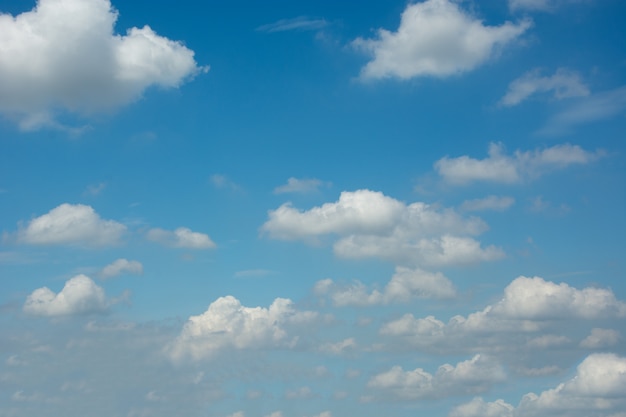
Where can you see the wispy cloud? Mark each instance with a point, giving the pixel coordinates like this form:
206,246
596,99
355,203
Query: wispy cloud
301,23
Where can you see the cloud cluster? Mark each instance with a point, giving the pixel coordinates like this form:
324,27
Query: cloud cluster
370,224
468,377
80,295
71,224
64,55
435,38
509,169
229,325
564,83
181,238
405,285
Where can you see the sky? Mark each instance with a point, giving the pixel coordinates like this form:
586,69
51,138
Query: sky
312,208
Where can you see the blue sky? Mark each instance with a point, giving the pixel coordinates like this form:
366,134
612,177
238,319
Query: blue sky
312,209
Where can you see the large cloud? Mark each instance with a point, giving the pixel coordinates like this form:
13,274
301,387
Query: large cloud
405,284
229,325
80,295
435,38
467,377
71,224
370,224
509,169
64,54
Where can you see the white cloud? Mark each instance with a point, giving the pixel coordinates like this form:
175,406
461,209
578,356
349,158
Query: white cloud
468,377
435,38
181,238
120,266
80,295
64,54
229,325
479,408
71,224
405,285
370,224
521,166
298,23
491,202
601,338
586,110
237,414
564,84
340,347
302,186
223,182
275,414
540,5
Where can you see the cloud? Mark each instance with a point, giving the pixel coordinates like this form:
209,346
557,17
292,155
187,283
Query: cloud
80,295
181,238
405,284
299,394
597,389
468,377
435,38
540,5
340,347
586,110
300,23
121,266
222,181
491,202
479,408
71,224
228,325
302,186
564,84
370,224
601,338
519,167
64,55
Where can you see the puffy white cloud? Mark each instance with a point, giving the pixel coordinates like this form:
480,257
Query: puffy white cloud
491,202
120,266
303,186
479,408
601,338
229,325
435,38
405,285
370,224
501,168
80,295
467,377
564,84
71,224
181,238
64,54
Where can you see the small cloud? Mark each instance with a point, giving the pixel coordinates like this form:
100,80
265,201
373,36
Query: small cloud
253,273
121,266
563,84
301,23
95,189
491,202
223,182
302,186
181,238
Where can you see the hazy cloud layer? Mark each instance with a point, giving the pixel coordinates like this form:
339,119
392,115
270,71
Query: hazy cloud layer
435,38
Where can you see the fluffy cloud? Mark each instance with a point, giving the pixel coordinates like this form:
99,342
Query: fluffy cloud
370,224
64,54
120,266
80,295
404,285
229,325
601,338
479,408
564,83
303,186
529,306
467,377
491,202
597,389
520,166
435,38
71,224
181,238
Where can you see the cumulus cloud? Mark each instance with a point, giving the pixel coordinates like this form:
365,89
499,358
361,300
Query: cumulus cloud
491,202
80,295
405,285
64,55
302,186
71,224
601,338
564,84
499,167
479,408
468,377
229,325
121,266
528,307
435,38
370,224
181,238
